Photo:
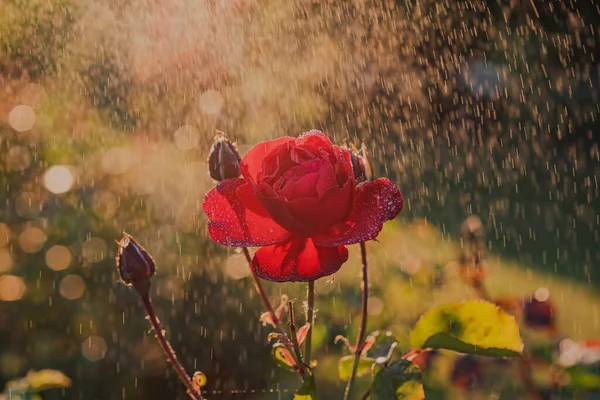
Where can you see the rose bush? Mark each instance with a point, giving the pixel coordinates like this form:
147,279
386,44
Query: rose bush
299,201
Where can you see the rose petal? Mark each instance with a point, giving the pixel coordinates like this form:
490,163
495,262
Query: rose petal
314,141
282,215
277,161
376,202
304,186
344,161
237,218
319,215
327,179
297,260
251,164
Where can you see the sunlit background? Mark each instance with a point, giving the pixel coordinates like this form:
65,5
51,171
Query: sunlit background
108,109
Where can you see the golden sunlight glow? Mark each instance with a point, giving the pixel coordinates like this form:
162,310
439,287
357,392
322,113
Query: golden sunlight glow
211,102
186,137
12,288
117,160
236,266
58,179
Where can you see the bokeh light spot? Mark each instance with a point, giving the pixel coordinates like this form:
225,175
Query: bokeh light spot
18,158
94,348
186,137
72,287
22,118
32,239
6,261
58,179
542,294
58,257
12,288
211,102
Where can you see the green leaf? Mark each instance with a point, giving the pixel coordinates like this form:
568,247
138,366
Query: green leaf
472,327
401,380
308,390
345,367
45,379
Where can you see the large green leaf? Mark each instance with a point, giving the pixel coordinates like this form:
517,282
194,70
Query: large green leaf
345,366
308,390
401,380
473,327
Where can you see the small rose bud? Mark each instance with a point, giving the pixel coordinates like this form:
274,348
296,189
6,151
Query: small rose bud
472,229
135,264
361,163
223,159
539,313
467,373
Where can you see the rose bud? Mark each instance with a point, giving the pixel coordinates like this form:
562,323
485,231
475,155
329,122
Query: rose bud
472,229
467,372
539,313
135,265
361,163
223,159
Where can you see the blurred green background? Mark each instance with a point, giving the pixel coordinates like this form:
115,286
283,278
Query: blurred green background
108,109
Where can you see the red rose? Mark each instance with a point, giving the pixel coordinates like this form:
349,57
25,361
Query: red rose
298,200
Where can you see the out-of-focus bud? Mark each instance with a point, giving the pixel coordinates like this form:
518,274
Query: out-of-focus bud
223,159
361,163
467,373
538,313
135,264
472,228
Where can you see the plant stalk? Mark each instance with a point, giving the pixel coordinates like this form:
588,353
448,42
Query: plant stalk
309,319
168,350
294,338
360,341
263,294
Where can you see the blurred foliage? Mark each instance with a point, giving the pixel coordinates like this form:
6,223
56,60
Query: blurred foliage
29,387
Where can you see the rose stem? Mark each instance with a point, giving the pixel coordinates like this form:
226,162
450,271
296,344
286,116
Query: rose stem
360,341
367,394
263,295
525,369
294,338
168,350
309,319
